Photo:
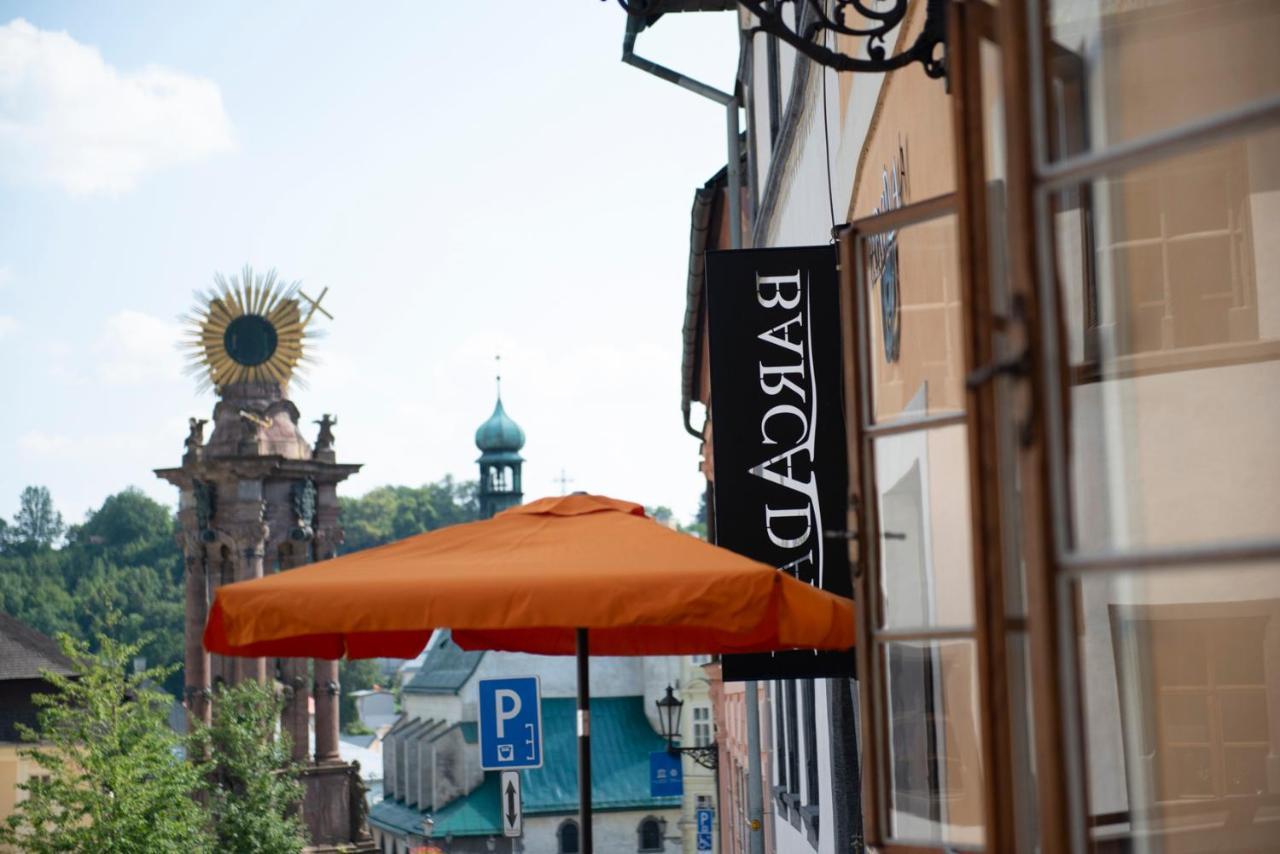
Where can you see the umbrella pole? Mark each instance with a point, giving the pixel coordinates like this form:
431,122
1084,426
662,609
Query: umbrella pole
584,742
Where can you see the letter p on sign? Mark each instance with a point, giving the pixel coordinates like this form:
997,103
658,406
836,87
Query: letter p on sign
506,706
510,723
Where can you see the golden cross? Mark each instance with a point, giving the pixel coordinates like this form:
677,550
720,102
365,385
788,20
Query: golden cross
315,306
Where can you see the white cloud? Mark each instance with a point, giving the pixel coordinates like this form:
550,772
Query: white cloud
7,325
43,444
138,443
138,348
69,118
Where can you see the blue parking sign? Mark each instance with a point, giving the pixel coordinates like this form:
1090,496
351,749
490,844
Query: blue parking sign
665,777
704,817
510,723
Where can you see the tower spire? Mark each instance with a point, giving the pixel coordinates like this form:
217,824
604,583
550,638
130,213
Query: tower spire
499,440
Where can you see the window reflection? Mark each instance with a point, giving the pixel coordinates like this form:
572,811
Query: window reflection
1171,294
933,761
1180,673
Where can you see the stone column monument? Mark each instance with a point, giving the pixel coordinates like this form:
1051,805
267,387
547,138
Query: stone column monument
255,498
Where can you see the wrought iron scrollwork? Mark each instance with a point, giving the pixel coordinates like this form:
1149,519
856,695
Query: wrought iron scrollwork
873,24
860,19
708,757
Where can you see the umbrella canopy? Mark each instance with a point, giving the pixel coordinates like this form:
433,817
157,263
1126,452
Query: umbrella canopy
525,581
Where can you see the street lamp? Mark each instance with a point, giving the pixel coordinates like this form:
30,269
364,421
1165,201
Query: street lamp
669,709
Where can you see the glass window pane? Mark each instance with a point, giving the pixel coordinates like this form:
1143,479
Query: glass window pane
1171,288
932,752
926,552
914,322
1122,70
1171,744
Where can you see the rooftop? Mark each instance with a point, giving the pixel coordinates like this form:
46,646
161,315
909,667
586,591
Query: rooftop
445,669
621,741
25,652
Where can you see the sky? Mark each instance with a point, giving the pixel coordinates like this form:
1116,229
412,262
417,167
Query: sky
467,179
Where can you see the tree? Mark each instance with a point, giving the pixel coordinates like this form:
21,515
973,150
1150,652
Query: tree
394,512
251,789
116,779
123,559
699,526
37,524
355,675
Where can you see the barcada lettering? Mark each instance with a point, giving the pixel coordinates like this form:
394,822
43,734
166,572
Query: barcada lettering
792,521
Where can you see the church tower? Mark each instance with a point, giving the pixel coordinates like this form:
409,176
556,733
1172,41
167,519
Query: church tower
499,440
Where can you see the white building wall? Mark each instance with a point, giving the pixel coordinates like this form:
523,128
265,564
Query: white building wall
612,831
614,676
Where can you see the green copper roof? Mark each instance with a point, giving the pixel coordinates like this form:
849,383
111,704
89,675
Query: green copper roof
475,815
499,433
446,668
621,741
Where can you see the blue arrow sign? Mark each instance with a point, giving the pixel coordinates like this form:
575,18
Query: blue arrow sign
510,723
665,777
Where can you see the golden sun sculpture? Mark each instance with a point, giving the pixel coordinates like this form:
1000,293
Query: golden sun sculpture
249,329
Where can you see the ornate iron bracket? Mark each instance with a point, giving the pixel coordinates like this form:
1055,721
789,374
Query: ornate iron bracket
875,25
813,20
708,757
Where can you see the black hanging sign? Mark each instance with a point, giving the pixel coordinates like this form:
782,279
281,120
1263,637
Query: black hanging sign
779,442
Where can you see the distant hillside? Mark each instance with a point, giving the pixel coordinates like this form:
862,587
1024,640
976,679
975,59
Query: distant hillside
120,571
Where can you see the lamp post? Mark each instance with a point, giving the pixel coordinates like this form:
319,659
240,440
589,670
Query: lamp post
669,709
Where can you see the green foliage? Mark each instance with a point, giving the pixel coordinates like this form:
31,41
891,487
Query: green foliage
37,526
116,779
355,675
699,526
394,512
123,559
665,516
358,727
251,790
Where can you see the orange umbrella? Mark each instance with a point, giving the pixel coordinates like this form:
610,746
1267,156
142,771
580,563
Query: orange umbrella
524,581
576,574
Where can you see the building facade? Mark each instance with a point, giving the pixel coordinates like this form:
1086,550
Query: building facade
1058,289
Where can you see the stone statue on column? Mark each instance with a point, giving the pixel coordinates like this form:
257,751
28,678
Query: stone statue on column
255,498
